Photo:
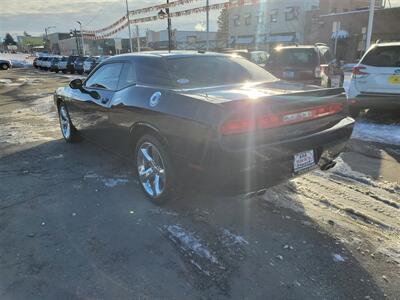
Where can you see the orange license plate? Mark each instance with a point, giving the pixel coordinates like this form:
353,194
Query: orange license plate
394,79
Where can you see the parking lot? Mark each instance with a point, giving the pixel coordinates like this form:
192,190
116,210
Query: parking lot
74,223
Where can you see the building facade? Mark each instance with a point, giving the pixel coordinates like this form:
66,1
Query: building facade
346,32
182,40
269,23
53,41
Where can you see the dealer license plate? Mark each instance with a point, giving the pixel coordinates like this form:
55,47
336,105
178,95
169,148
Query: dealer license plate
303,161
394,79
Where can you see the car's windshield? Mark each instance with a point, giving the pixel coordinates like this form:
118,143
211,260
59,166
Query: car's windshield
192,72
293,57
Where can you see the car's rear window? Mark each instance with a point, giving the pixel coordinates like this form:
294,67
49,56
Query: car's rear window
387,56
197,71
294,57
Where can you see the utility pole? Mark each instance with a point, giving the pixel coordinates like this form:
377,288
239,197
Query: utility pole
370,23
137,38
83,41
46,35
169,28
208,24
337,30
129,26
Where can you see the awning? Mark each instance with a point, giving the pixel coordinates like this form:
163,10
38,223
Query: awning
341,34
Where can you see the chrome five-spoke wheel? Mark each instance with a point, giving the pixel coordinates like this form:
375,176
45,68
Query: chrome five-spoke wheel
67,129
151,169
64,122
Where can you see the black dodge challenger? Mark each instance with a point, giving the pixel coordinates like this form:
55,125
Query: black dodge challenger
222,116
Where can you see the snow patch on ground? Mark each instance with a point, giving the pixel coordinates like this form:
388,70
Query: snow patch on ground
388,134
113,182
5,81
108,182
30,124
230,238
338,258
187,241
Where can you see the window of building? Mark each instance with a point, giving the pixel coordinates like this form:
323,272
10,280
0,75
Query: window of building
292,13
274,15
236,20
247,19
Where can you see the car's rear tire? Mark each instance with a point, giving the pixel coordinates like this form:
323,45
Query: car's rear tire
154,169
68,130
64,71
4,66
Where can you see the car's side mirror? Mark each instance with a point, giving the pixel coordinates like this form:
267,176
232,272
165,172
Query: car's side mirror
76,84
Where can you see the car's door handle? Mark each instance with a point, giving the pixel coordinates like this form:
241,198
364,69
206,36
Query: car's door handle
104,100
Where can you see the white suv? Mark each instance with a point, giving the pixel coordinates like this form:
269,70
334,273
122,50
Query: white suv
375,82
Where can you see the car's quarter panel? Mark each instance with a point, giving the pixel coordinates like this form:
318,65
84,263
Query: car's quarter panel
186,124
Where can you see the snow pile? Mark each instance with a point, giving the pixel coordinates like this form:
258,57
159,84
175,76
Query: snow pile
388,134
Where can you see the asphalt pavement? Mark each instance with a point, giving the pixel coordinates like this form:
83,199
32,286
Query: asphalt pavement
74,223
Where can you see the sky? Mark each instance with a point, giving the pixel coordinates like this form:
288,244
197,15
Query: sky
17,16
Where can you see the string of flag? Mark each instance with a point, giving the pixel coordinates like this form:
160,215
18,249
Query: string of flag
142,11
123,24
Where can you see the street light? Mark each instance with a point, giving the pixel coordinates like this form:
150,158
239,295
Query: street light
83,41
129,26
162,14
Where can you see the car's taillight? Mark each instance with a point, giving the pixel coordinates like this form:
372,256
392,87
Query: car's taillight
268,121
358,70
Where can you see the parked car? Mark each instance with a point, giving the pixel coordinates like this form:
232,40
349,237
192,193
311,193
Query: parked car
5,64
62,64
224,117
78,64
257,57
39,62
375,82
54,64
46,63
92,62
35,62
309,64
70,64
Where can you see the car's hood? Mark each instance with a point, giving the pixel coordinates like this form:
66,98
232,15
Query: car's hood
247,91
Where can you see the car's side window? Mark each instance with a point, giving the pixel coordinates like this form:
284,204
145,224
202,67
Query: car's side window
326,56
106,77
128,75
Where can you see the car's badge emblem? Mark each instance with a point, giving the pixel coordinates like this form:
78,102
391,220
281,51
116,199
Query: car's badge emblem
155,99
397,71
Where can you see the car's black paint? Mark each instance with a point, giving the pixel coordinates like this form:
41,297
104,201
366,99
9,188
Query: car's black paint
188,122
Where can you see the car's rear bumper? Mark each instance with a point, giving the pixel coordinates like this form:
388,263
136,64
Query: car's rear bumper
270,164
376,100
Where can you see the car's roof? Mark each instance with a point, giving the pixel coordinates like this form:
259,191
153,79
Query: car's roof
387,44
161,54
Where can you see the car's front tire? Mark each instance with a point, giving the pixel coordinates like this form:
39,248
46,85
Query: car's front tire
154,169
68,131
